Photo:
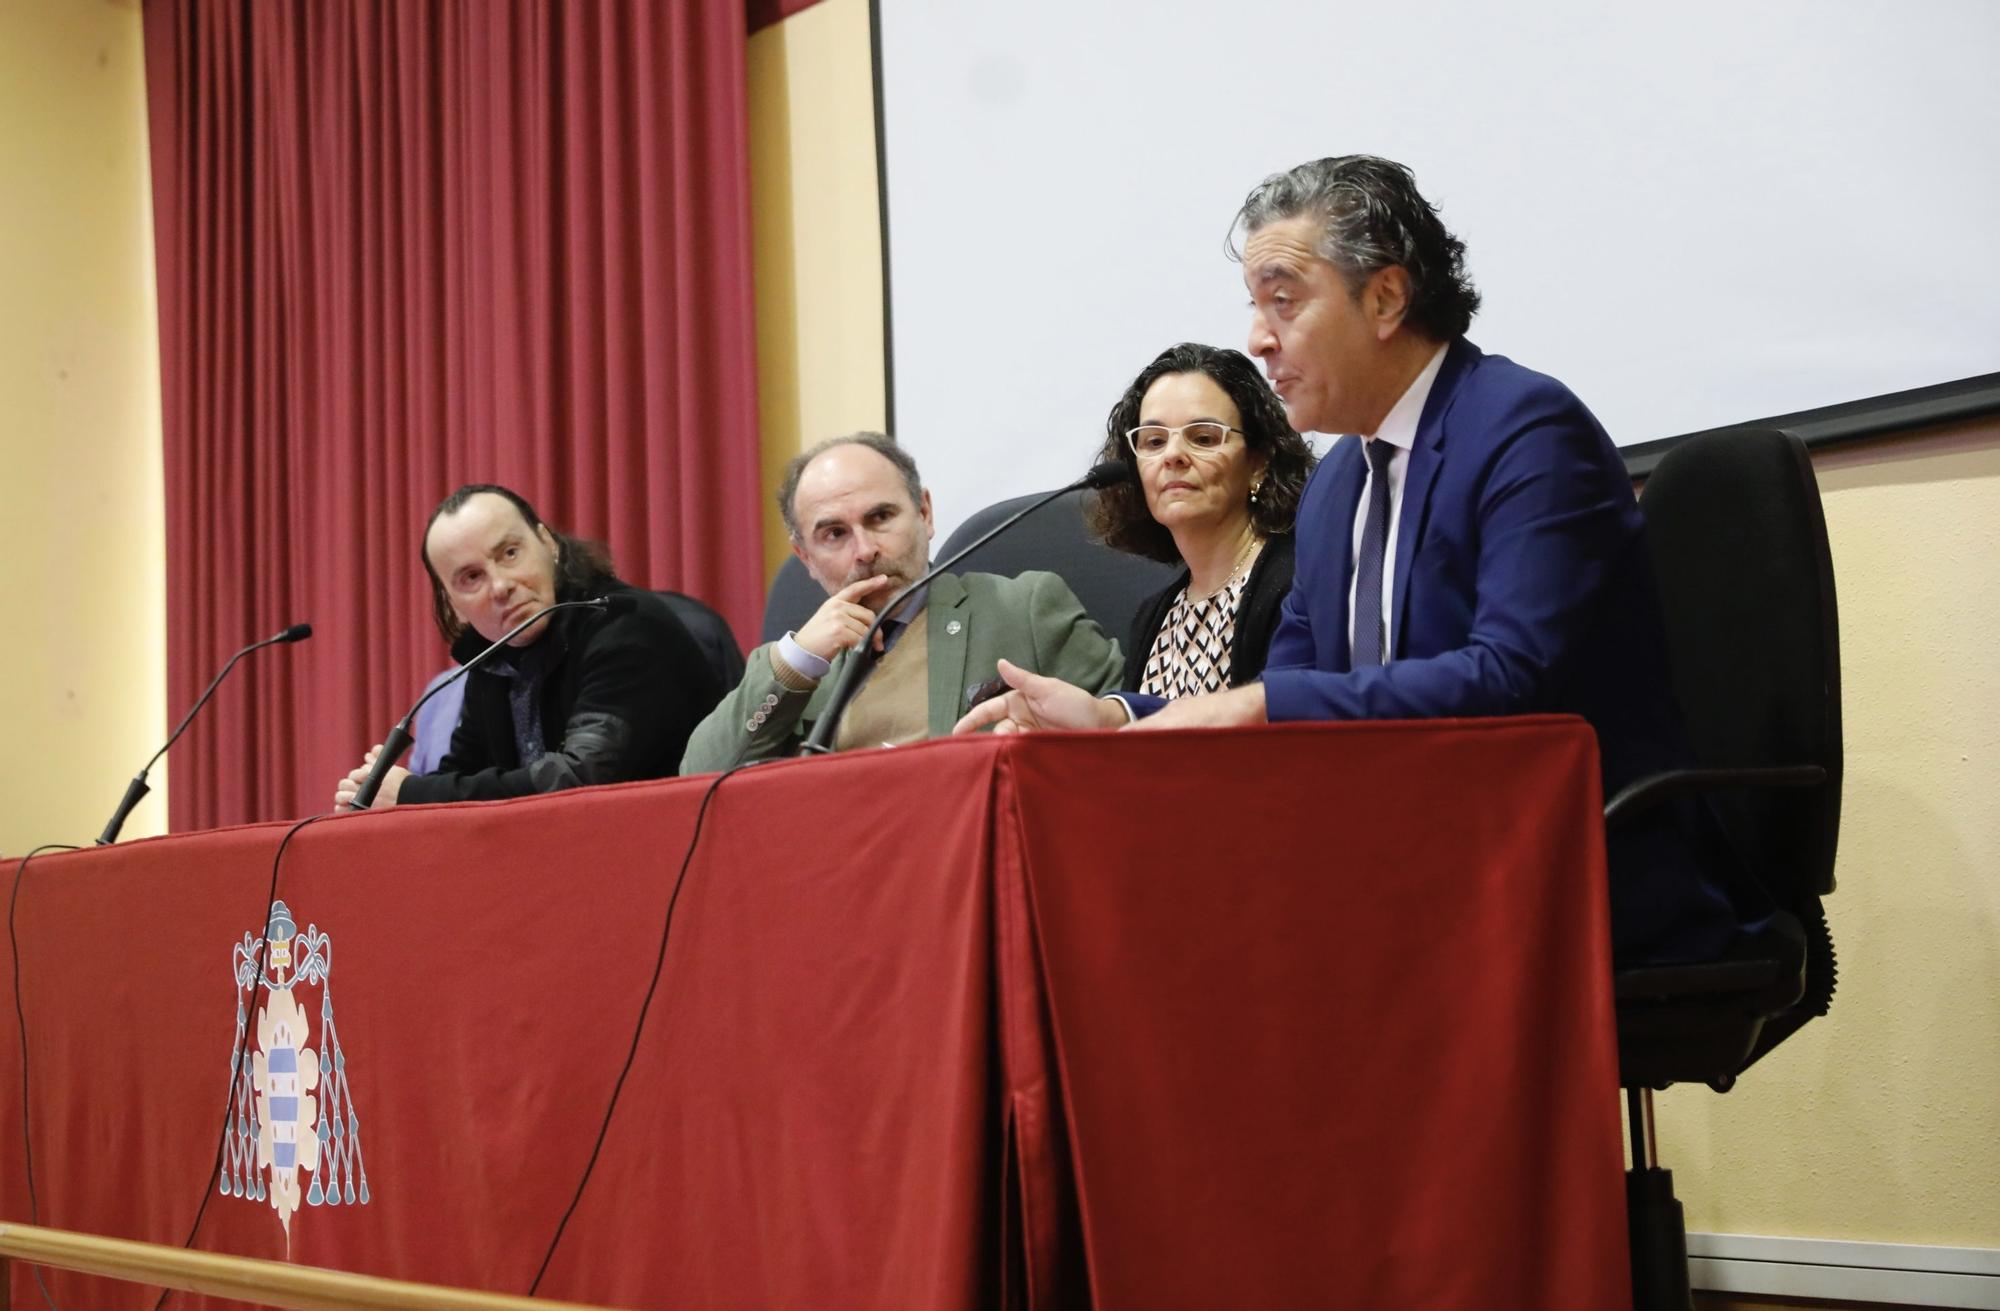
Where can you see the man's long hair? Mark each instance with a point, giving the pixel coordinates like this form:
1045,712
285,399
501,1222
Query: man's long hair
582,567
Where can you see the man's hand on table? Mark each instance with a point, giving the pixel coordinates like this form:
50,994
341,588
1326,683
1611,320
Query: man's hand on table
1038,701
1231,709
392,783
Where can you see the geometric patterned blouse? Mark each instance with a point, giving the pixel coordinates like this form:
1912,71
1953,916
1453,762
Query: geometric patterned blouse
1191,652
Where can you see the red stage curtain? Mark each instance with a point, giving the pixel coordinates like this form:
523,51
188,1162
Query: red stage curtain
405,244
763,13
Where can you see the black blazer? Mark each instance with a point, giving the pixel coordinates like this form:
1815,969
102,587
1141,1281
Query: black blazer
1256,619
618,704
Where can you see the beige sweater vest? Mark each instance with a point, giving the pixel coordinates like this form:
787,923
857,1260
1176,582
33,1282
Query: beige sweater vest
893,706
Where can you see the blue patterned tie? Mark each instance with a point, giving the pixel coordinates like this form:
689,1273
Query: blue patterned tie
1368,646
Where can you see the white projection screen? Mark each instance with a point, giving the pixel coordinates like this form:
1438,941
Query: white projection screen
1694,214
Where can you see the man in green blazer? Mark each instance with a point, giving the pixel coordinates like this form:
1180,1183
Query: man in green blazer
860,521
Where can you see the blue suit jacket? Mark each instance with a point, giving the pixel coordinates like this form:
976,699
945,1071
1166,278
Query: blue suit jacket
1522,584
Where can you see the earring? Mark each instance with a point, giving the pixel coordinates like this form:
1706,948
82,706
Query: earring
1254,488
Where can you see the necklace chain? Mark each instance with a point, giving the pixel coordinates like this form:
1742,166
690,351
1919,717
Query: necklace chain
1235,569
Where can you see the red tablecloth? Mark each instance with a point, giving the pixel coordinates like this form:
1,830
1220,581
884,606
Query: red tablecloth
1308,1016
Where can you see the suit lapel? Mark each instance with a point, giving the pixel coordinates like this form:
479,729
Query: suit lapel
1347,473
1426,456
950,629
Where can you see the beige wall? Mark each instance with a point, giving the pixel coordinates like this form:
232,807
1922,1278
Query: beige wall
82,664
817,235
1881,1122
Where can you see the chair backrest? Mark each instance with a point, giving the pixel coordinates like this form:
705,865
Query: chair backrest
1739,546
712,633
791,601
1111,584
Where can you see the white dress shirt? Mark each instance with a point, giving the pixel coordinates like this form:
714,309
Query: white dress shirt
1398,429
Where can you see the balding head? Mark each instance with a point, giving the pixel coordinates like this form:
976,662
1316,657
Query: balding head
856,509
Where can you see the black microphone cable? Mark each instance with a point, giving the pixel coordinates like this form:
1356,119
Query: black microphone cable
21,1020
243,1039
632,1052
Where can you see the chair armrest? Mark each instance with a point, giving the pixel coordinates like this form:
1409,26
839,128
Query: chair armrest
1693,983
1643,794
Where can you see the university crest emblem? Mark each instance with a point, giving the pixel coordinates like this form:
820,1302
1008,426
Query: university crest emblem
290,1109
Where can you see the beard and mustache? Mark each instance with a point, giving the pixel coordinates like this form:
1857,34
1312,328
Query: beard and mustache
897,572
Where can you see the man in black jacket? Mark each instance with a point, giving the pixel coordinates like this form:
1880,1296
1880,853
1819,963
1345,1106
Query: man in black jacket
580,697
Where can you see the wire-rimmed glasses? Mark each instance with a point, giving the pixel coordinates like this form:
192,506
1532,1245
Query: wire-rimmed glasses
1149,441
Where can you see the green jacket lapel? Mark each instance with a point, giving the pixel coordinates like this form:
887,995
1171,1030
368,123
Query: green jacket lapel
950,628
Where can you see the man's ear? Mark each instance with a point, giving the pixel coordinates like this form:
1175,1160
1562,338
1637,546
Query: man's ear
924,508
548,539
1386,300
799,551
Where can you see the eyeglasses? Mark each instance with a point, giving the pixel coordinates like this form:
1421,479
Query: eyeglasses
1149,440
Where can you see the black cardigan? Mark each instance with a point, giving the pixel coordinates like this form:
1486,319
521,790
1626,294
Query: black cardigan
1256,617
621,697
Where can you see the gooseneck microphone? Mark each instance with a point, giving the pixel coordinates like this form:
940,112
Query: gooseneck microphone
1107,474
136,790
400,737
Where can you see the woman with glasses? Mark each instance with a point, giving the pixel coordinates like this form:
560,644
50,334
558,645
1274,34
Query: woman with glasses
1219,476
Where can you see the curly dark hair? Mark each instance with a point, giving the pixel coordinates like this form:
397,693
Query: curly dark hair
1372,216
1118,516
582,567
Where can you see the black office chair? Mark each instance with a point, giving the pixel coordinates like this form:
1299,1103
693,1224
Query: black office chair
1111,584
712,634
1746,582
791,601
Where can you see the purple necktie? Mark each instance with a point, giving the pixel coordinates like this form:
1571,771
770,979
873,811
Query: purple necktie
1369,647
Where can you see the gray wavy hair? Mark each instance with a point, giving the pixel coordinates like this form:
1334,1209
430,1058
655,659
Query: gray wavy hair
1372,216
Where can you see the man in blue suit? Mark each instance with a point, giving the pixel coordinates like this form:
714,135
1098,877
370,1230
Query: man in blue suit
1472,548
